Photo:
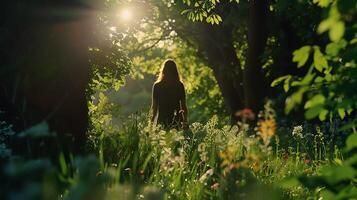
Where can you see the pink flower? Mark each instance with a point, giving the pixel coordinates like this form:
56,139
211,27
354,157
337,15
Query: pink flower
141,172
245,114
215,186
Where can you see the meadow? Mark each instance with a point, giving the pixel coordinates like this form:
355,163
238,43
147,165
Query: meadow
267,160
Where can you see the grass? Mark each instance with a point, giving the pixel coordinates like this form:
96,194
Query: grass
209,161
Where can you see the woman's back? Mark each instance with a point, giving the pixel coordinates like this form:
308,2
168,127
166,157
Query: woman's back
169,98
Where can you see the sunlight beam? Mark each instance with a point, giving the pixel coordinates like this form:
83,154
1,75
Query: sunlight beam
126,14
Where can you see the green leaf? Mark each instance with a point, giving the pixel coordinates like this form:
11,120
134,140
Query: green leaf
286,85
294,99
188,2
315,107
323,114
290,182
308,78
335,174
185,11
319,79
351,160
325,25
351,141
341,112
301,55
313,112
215,19
117,85
318,99
333,48
279,80
319,60
353,41
63,164
336,31
327,195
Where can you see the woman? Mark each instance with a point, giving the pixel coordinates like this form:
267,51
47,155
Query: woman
168,98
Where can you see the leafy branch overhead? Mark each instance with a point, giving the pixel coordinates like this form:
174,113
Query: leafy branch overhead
328,85
200,10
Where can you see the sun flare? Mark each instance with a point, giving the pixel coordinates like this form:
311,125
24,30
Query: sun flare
126,14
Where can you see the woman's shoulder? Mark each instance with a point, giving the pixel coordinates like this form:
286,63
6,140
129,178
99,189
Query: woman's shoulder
181,84
165,84
157,83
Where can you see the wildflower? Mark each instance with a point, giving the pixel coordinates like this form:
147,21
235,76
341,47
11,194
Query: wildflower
245,114
297,132
307,161
255,166
215,186
201,147
202,151
319,132
206,175
228,155
141,172
266,129
233,166
196,127
285,156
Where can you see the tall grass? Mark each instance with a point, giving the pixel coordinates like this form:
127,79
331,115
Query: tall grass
211,161
135,160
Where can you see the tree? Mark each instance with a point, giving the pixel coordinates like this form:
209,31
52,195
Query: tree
44,66
255,86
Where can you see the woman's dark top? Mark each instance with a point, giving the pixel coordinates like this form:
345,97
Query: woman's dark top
169,98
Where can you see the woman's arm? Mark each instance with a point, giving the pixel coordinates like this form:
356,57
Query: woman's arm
184,110
153,103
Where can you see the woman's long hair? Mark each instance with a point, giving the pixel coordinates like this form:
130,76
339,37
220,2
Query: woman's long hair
168,72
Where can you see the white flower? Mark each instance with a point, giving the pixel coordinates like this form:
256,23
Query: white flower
201,147
206,175
319,132
297,131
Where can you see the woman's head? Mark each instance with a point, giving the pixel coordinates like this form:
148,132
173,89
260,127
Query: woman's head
168,72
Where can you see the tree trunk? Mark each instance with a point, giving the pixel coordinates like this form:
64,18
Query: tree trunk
217,45
232,98
46,70
255,87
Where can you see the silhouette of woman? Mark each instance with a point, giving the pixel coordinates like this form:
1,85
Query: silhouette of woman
168,98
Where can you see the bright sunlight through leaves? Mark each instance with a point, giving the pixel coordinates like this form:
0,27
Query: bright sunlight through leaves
126,14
